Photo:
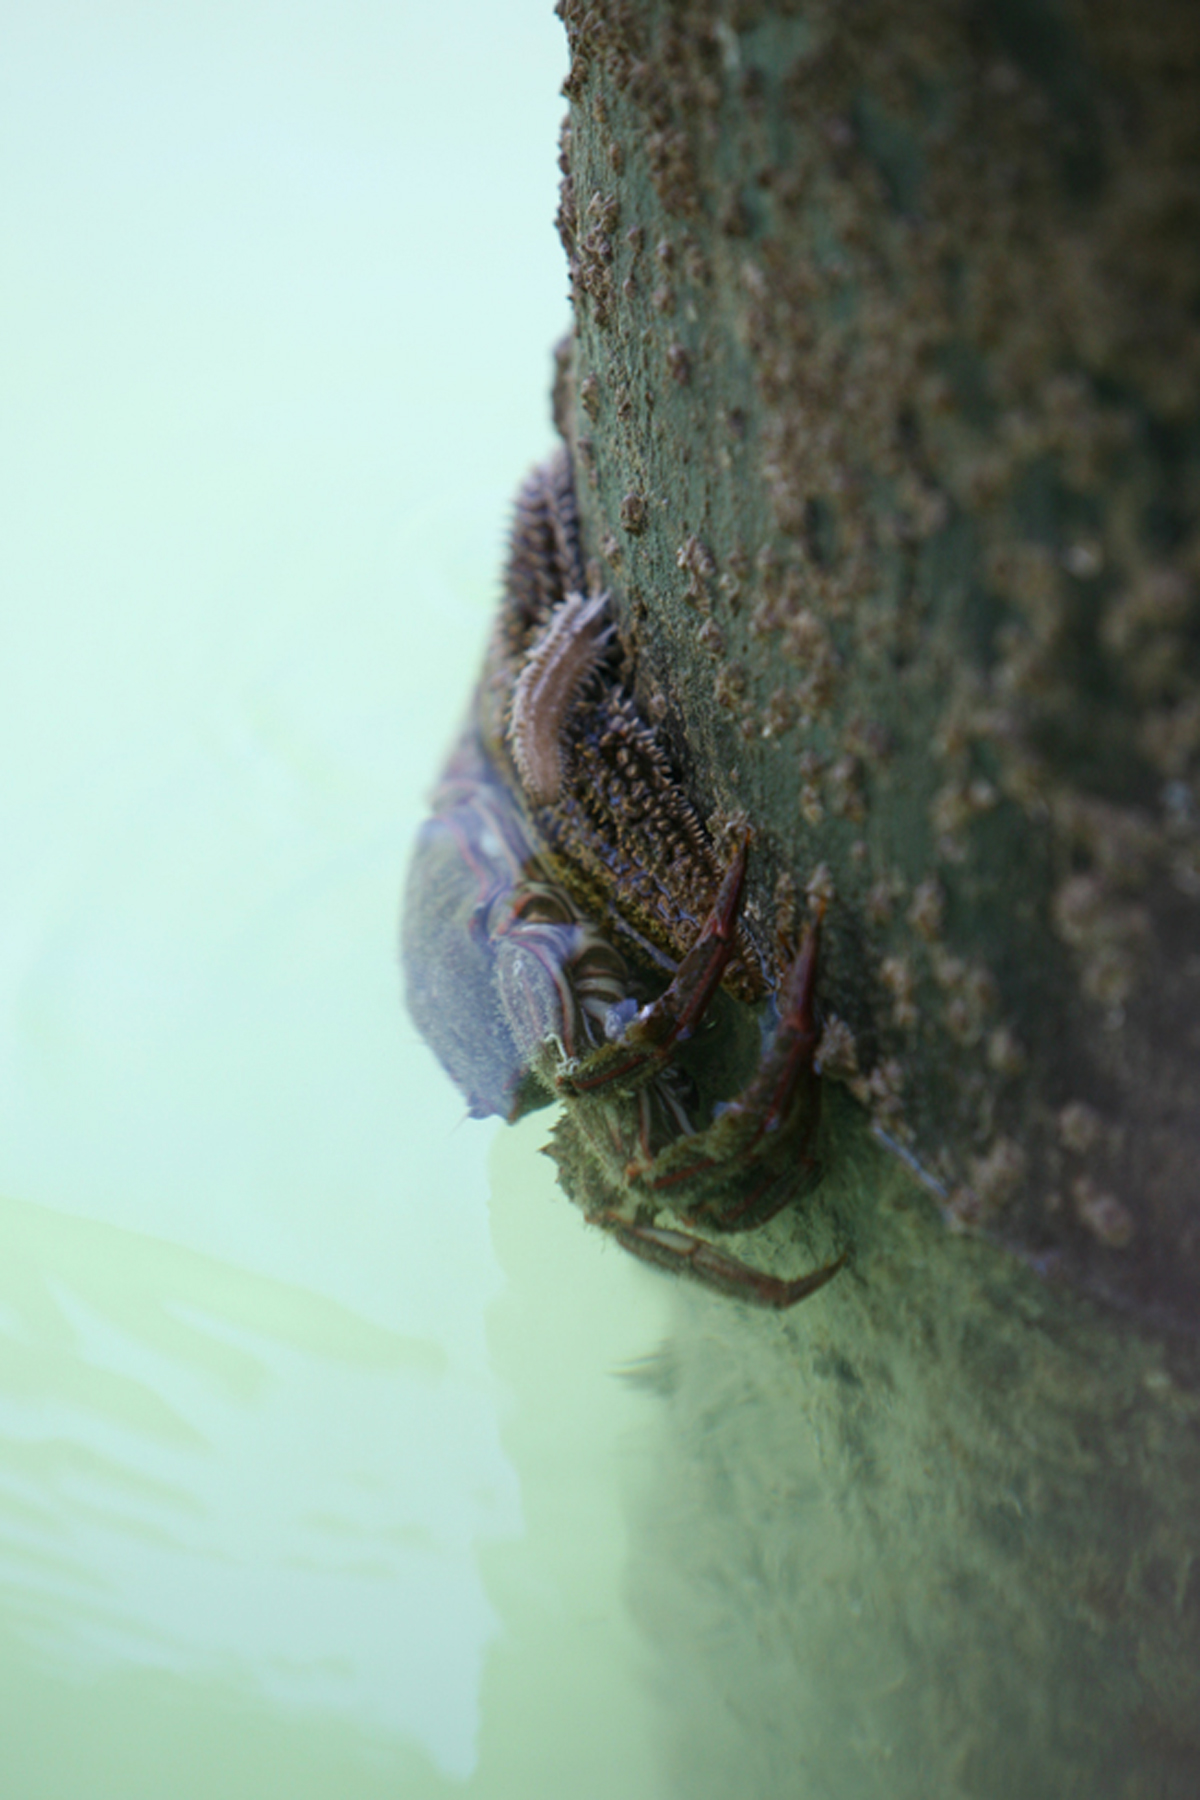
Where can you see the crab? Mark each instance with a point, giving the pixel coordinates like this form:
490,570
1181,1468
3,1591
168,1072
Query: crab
526,1001
571,934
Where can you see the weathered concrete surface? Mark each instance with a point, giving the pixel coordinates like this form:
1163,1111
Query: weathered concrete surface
888,431
885,399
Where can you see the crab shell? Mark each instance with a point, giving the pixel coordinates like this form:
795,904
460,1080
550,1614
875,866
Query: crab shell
505,976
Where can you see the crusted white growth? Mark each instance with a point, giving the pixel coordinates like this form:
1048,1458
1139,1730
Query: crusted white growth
563,659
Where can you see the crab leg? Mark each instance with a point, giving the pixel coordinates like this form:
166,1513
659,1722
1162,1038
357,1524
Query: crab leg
687,1255
649,1039
770,1098
760,1205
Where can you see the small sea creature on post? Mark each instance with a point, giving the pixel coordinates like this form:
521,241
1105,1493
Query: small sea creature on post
572,934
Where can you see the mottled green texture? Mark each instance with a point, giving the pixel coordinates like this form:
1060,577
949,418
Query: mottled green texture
933,1533
884,399
886,380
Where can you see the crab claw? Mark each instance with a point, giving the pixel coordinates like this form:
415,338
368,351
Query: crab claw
761,1137
650,1037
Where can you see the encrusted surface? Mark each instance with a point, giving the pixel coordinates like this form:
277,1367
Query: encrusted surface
888,375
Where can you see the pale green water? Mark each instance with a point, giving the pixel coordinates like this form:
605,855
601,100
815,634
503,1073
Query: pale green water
317,1474
304,1488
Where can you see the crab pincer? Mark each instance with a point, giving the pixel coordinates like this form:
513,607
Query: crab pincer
650,1037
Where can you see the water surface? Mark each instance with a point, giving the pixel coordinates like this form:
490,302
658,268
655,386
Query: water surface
263,1521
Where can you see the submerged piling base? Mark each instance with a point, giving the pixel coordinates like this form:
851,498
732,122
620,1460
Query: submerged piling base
934,1532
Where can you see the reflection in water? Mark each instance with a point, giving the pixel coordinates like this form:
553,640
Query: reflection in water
206,1471
572,1700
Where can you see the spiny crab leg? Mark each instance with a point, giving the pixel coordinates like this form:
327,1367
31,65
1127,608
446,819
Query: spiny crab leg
771,1096
649,1039
694,1256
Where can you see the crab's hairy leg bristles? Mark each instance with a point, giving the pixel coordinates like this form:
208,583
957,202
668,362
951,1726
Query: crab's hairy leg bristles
556,671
